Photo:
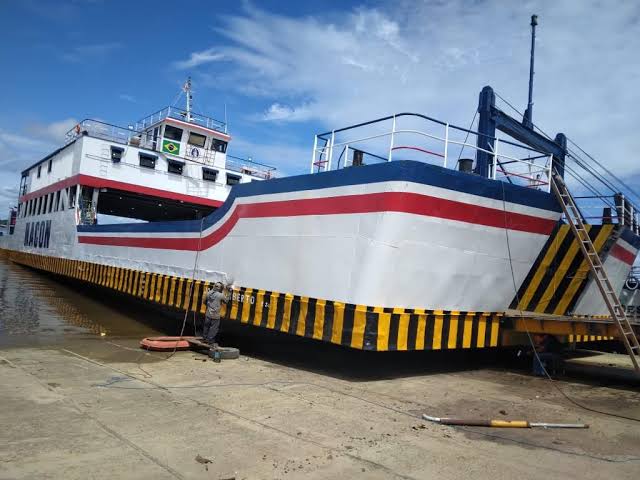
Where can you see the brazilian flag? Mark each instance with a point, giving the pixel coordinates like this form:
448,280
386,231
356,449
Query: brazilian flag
171,147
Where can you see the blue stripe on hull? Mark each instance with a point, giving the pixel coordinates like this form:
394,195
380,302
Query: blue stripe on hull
406,171
630,237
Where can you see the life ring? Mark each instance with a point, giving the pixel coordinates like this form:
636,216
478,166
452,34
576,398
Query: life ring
166,344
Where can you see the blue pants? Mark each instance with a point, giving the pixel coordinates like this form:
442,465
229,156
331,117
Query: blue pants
548,360
210,329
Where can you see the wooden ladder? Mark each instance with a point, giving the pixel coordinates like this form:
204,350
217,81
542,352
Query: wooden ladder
617,311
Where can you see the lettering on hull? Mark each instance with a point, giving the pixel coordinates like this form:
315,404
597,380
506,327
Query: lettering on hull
37,234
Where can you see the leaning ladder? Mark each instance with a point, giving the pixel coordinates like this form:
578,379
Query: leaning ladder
590,253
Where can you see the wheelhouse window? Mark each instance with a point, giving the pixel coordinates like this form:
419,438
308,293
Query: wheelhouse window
209,174
172,133
233,179
72,196
50,165
175,167
39,170
218,145
147,161
196,139
116,154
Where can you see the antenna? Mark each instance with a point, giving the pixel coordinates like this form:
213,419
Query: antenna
187,90
225,117
527,120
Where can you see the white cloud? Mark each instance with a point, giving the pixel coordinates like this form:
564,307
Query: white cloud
290,159
127,98
435,57
199,58
82,53
53,132
18,150
8,199
285,113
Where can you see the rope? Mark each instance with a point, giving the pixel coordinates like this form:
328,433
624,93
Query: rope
193,276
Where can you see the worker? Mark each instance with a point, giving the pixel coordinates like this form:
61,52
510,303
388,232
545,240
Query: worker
547,359
216,296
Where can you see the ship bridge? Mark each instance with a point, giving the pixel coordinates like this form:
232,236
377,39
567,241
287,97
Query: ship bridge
170,165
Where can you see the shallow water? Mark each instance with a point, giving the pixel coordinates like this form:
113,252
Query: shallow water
38,309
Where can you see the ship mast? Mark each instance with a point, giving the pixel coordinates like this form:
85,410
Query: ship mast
187,90
527,121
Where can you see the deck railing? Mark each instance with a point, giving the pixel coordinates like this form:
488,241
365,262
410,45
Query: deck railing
599,209
249,167
427,138
182,115
105,131
132,137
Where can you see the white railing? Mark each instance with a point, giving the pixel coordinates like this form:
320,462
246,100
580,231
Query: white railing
331,150
598,209
249,167
181,114
125,136
98,129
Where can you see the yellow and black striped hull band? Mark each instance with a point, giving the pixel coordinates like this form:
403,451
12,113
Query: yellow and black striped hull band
356,326
560,273
589,338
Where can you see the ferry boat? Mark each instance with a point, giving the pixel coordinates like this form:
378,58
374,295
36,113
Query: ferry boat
408,233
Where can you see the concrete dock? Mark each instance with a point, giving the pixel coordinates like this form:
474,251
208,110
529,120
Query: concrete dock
102,408
80,400
615,366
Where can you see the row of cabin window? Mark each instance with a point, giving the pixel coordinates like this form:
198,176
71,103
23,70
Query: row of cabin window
49,167
195,139
51,202
173,166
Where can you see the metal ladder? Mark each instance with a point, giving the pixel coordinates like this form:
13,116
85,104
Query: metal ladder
611,299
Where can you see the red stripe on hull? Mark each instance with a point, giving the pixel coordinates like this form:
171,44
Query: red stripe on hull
623,254
401,202
96,182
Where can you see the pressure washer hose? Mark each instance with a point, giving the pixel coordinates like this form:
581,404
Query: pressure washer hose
500,423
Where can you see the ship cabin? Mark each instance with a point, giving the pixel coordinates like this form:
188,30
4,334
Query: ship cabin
170,165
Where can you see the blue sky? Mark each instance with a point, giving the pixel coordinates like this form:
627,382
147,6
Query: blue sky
287,70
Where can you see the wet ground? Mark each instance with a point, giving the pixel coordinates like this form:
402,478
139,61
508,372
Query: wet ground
80,400
40,309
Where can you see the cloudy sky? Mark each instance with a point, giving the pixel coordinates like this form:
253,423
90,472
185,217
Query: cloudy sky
287,70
